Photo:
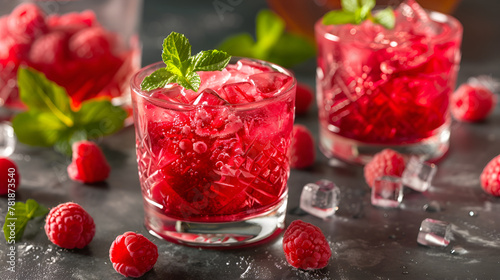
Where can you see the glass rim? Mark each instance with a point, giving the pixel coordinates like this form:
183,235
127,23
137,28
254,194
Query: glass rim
455,27
137,78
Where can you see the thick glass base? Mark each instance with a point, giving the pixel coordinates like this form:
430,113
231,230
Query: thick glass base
256,229
430,149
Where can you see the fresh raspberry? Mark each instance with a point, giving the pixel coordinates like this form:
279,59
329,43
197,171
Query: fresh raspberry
302,152
9,176
472,102
69,226
386,162
27,22
90,43
490,177
13,51
49,50
305,246
303,98
84,19
132,254
89,164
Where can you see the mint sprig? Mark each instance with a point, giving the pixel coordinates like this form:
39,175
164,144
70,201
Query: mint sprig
18,217
50,119
181,67
272,42
357,11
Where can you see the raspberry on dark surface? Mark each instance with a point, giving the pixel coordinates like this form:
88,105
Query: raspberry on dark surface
132,254
69,226
305,246
9,175
387,162
89,164
490,177
472,103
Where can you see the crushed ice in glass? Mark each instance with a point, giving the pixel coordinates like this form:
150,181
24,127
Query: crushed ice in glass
320,199
387,191
434,233
7,140
418,174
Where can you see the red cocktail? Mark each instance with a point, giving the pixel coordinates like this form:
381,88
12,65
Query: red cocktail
213,164
380,88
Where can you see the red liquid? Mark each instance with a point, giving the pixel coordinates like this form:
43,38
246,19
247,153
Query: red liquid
387,87
215,163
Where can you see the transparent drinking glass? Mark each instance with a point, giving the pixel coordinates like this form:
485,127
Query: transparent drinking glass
90,47
214,175
379,88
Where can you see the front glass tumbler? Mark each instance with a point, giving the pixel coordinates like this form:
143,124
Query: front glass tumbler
214,175
379,88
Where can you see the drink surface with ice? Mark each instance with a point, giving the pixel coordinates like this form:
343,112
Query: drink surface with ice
381,87
219,154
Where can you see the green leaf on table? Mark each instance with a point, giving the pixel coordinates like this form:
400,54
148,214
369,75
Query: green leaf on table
18,217
355,12
270,44
50,119
181,67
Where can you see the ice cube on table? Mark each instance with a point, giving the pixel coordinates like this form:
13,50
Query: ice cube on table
320,199
434,233
209,97
418,174
7,139
387,191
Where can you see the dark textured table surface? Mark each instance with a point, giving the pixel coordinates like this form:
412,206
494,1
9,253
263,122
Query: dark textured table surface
366,242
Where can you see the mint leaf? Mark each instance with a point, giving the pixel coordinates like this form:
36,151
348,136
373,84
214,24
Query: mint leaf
271,44
349,5
241,44
269,28
339,17
157,79
18,217
291,50
38,128
176,49
40,94
355,12
50,120
181,67
385,18
211,60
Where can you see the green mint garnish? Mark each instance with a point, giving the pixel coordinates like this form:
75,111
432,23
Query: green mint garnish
18,217
181,67
357,11
50,119
272,42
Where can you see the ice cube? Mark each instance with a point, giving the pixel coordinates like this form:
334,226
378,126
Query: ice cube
434,233
414,17
270,84
320,199
209,97
235,93
251,67
171,93
7,140
418,174
213,79
387,191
